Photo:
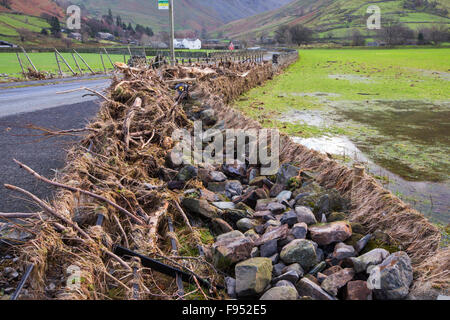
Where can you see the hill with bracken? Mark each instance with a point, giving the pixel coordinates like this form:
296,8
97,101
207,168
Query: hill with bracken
337,18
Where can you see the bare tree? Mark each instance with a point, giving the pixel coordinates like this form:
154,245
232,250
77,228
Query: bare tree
394,33
439,34
25,34
5,3
300,34
357,39
283,35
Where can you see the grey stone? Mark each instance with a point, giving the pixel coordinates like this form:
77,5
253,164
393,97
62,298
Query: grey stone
285,283
284,196
291,276
275,258
294,267
219,226
246,224
305,215
343,251
331,232
286,172
230,284
238,169
253,276
299,230
278,233
337,280
217,176
261,204
300,251
269,248
224,205
230,249
278,269
253,174
289,218
371,258
233,188
280,293
361,244
201,207
392,278
276,208
307,288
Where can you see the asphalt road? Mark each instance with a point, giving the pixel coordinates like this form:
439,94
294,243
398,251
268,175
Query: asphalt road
40,106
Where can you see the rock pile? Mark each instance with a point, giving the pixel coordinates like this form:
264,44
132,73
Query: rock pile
285,237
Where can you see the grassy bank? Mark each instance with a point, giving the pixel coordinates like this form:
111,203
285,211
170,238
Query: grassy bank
46,61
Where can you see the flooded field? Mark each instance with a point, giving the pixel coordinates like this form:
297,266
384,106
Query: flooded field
389,109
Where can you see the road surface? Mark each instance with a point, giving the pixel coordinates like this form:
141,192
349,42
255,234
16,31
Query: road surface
41,106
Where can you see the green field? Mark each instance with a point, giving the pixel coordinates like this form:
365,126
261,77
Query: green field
372,90
46,62
393,106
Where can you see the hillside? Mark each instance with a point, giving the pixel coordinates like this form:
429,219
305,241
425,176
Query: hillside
33,7
189,14
336,18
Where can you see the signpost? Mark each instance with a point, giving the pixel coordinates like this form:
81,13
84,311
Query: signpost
168,5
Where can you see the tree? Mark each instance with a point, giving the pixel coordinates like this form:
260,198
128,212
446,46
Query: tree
358,39
55,27
6,4
394,33
282,34
300,34
44,32
439,34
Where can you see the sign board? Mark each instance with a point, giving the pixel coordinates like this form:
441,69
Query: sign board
163,4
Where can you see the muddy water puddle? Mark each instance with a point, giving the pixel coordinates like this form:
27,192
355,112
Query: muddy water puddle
405,144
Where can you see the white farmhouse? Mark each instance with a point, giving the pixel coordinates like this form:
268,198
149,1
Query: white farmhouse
192,44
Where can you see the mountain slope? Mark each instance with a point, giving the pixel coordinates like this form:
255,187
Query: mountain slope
34,7
189,14
336,17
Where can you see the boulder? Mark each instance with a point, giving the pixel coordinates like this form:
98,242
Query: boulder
233,188
358,290
278,269
305,215
219,226
280,293
237,170
261,204
337,280
224,205
217,176
276,208
231,248
342,251
269,248
246,224
291,276
286,172
392,278
276,190
200,207
307,288
361,243
253,276
252,235
300,251
330,232
299,230
371,258
285,283
230,284
284,196
276,233
289,218
294,267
